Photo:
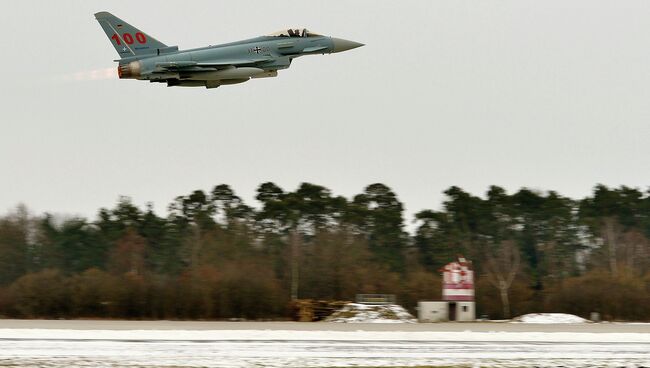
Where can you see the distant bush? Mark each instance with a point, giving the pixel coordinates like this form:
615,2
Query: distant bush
420,285
41,294
94,293
624,297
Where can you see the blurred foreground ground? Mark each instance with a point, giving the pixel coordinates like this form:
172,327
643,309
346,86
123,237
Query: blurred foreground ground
157,344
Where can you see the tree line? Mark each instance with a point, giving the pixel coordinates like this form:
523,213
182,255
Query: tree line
215,257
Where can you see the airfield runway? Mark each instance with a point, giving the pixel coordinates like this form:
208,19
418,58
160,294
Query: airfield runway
286,344
323,326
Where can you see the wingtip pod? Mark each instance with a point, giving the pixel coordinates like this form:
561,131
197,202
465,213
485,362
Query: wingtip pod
103,15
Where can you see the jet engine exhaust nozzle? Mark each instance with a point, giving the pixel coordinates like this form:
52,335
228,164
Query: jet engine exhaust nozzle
129,71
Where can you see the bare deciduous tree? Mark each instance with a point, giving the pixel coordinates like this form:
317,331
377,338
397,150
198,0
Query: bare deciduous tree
502,266
611,233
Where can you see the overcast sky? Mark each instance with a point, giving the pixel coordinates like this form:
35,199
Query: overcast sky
551,95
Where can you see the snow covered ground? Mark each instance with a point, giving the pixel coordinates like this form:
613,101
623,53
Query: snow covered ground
365,346
364,313
550,318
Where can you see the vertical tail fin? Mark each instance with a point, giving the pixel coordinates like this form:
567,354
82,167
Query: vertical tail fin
128,41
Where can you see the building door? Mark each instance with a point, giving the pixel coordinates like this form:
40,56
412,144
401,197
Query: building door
452,311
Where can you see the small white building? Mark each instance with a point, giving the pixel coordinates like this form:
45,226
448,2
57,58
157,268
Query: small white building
433,312
446,311
457,295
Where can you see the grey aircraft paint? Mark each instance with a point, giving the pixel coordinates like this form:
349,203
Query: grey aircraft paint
145,58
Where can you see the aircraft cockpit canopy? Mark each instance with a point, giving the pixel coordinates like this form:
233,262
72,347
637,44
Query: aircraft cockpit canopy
294,32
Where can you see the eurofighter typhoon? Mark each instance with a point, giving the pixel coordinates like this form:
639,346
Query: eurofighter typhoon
145,58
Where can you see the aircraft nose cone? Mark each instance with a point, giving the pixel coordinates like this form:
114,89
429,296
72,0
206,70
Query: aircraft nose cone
344,45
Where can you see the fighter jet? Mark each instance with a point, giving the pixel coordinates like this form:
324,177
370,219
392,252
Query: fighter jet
145,58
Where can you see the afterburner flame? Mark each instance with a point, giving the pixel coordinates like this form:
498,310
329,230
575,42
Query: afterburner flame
93,75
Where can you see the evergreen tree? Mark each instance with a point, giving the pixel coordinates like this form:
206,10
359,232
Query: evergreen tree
377,213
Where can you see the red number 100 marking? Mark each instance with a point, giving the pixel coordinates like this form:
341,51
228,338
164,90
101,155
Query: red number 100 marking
129,39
